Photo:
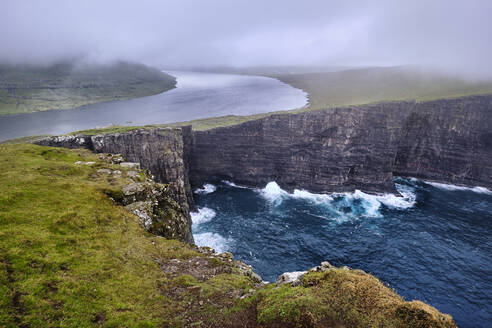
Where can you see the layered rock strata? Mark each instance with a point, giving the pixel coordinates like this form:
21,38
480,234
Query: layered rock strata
349,148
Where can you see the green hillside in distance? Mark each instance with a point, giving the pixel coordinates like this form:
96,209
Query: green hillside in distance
67,85
378,84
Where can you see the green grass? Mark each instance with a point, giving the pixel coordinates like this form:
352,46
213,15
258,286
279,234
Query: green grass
343,298
26,89
70,257
378,84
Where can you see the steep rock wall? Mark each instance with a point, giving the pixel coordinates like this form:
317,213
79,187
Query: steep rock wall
333,150
163,151
362,147
448,141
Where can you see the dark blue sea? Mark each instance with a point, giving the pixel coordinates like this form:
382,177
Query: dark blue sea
434,244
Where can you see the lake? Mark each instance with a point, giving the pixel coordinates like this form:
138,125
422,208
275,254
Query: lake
197,95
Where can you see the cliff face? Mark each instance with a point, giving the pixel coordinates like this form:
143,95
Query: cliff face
447,140
73,258
332,150
354,147
162,151
336,150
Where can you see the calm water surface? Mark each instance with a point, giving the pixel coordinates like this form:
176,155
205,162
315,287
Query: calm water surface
433,245
198,95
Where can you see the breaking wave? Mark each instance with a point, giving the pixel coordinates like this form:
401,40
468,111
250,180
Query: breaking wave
212,240
450,187
232,184
203,215
344,205
207,189
209,239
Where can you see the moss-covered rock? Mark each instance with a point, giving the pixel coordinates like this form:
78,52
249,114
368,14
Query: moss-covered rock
340,297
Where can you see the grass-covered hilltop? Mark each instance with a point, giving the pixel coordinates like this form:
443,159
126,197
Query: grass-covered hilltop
70,84
348,87
73,254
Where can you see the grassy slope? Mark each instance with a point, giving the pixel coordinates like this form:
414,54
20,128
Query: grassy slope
69,257
66,85
370,85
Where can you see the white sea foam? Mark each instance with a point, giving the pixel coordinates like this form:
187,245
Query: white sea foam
232,184
273,193
407,199
370,203
315,198
360,203
450,187
203,215
207,189
213,240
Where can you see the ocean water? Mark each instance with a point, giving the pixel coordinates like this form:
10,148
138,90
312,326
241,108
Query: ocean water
434,244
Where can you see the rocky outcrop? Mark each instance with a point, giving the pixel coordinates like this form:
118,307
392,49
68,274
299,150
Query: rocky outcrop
150,201
355,298
351,148
160,150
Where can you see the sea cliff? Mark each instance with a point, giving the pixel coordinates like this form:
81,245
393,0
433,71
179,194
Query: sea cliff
349,148
330,150
76,253
164,152
322,151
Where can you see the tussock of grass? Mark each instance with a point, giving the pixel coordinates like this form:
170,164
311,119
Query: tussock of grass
343,298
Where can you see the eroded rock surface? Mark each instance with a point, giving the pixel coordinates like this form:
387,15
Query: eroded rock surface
339,149
363,147
152,202
162,151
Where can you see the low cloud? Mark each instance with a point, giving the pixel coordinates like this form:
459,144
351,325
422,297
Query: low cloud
450,35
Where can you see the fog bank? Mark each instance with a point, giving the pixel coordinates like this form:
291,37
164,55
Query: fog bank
450,35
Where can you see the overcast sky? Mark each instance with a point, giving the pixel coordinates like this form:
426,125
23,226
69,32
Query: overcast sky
449,34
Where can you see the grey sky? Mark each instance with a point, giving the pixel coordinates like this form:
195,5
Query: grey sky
452,34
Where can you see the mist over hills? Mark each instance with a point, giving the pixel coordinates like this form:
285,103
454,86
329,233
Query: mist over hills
69,84
448,35
377,84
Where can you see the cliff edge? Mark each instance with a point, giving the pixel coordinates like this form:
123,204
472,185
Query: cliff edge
74,253
347,148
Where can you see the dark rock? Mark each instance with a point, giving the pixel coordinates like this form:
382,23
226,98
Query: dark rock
161,150
343,149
